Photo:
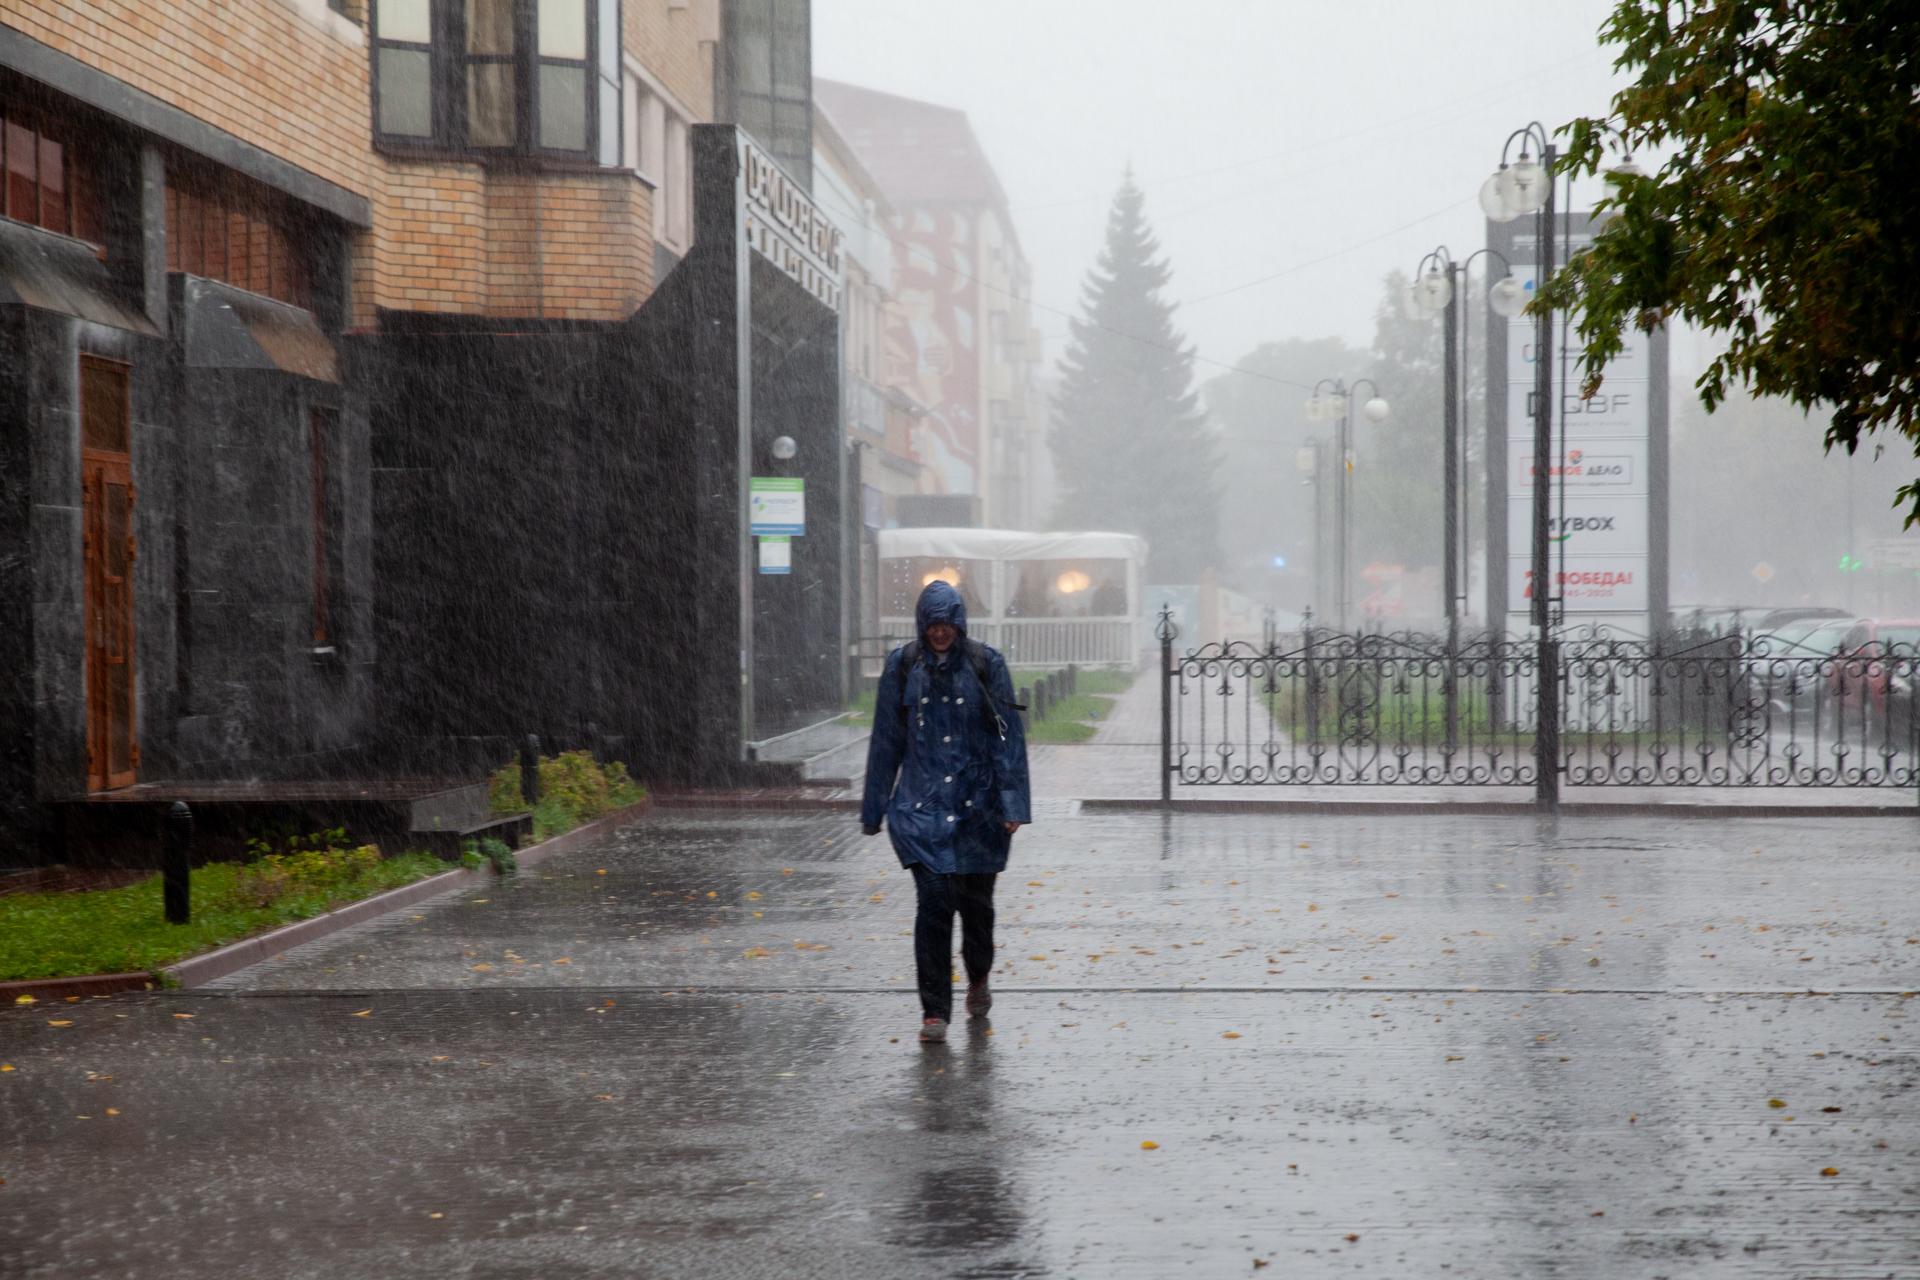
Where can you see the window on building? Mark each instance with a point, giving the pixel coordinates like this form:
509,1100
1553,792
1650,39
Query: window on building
767,74
228,229
657,149
527,77
44,180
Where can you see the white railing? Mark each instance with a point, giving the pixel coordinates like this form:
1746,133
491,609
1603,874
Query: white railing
1051,642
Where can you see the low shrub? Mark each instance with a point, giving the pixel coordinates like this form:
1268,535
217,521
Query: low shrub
485,852
574,788
305,862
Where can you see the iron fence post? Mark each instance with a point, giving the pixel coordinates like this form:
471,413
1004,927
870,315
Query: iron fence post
1313,683
1546,736
1166,631
176,864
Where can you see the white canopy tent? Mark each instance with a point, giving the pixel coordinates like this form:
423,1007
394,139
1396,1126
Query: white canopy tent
1042,599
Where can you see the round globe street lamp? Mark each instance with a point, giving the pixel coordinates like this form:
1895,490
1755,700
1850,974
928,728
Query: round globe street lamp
1332,400
1439,277
1528,185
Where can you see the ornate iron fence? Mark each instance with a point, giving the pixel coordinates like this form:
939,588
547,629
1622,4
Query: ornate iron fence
1408,709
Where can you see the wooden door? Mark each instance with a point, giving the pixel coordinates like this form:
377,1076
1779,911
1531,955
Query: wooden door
113,751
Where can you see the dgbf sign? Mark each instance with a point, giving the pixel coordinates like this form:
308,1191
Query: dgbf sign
1601,477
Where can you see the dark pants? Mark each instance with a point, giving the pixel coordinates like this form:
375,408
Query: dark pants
940,896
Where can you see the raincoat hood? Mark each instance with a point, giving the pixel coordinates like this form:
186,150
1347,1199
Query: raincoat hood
939,602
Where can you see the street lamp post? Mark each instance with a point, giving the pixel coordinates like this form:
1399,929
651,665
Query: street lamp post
1333,398
1528,186
1438,285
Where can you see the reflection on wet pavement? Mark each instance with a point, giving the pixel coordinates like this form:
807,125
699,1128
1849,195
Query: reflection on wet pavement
1406,1046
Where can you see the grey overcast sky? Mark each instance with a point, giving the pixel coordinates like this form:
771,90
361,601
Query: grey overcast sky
1292,151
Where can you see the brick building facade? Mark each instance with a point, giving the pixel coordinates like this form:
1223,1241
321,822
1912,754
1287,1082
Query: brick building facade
335,367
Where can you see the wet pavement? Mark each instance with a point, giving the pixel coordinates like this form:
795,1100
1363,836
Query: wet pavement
1393,1045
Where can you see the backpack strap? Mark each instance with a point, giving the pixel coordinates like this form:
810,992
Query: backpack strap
977,659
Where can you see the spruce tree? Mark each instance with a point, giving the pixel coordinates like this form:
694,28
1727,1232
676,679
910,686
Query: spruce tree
1132,451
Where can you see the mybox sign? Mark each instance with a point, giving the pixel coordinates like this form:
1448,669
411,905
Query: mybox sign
1589,524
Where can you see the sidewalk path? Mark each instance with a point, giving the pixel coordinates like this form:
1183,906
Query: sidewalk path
1396,1046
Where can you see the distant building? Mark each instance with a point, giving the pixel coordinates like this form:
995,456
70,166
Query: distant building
961,341
879,420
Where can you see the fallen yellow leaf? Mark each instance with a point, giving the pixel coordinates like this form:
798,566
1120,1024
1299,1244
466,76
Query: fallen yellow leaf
786,871
602,871
712,893
25,1000
183,1015
364,1013
753,895
1229,1035
6,1067
439,1057
1036,884
563,960
59,1022
1829,1172
113,1111
1776,1103
436,1215
482,967
1149,1145
1036,957
756,953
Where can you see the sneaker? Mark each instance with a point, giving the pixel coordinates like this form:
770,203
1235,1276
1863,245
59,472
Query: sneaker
933,1030
979,999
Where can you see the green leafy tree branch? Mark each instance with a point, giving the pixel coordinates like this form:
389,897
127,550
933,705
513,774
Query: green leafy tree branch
1786,217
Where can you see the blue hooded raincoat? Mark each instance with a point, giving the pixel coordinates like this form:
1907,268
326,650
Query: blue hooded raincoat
945,773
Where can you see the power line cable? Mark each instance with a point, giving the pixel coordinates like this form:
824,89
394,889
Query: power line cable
1437,116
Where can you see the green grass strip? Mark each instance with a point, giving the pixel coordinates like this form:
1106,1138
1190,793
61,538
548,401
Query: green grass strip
63,935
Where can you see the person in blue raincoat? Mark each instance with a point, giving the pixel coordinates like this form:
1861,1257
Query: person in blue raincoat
947,769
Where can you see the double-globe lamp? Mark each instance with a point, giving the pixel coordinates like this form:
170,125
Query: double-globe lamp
1429,294
1330,407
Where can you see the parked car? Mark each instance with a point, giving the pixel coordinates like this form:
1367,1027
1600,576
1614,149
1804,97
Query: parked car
1774,619
1875,652
1795,662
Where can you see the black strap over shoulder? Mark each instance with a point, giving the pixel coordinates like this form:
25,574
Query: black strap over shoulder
977,659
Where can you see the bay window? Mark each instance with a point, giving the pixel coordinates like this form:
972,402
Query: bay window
515,77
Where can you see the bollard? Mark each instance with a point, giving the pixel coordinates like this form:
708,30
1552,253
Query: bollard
530,770
176,867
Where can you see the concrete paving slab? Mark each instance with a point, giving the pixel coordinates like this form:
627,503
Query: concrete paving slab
1482,1046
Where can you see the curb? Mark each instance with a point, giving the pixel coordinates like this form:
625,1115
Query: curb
89,984
199,970
1514,808
757,800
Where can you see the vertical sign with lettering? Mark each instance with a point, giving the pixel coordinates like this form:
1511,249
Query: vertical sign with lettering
1600,535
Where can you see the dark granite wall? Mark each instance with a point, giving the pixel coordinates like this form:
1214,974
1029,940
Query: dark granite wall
798,667
19,600
257,698
226,685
